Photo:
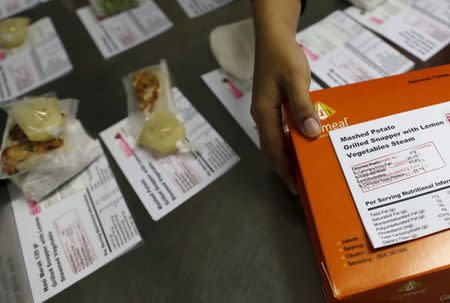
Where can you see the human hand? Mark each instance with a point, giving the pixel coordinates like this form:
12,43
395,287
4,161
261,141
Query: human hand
281,72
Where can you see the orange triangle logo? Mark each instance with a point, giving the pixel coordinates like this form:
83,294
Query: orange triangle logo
324,111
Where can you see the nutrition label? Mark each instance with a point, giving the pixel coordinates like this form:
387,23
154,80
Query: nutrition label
397,167
116,34
397,171
39,61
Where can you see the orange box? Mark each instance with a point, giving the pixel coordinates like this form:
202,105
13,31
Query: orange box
352,271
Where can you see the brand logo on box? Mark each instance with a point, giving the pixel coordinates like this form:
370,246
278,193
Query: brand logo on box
410,289
445,298
410,286
324,111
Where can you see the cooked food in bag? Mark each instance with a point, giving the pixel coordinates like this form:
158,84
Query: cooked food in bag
22,154
103,8
162,133
44,145
34,128
152,117
13,32
40,119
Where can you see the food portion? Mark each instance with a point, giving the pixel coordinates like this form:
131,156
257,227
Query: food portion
147,88
162,133
110,7
22,153
13,32
35,127
41,119
152,111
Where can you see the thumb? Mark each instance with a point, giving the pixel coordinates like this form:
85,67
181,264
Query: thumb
303,113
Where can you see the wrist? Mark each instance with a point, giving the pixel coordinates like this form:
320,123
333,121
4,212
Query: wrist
276,18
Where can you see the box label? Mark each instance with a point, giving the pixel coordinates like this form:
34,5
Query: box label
398,173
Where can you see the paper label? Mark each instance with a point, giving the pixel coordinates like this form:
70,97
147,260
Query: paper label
165,183
12,7
195,8
116,34
14,285
340,52
398,172
73,233
236,96
39,61
420,27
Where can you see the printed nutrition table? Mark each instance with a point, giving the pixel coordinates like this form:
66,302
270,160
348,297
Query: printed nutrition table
397,173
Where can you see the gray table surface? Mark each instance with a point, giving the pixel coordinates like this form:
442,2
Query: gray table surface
243,238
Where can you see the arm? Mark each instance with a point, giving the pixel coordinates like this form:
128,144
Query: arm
281,70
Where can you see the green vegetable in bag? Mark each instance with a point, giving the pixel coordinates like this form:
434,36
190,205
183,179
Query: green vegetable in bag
111,7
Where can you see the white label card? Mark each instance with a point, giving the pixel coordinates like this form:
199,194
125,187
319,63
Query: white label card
236,96
398,171
79,229
421,27
163,184
114,35
39,61
12,7
195,8
340,52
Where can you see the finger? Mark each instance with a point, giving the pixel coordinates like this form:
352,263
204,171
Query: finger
303,113
266,111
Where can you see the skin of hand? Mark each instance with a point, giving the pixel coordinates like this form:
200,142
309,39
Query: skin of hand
281,73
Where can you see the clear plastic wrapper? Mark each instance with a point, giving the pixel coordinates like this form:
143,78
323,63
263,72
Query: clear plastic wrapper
48,176
152,116
13,32
105,8
44,145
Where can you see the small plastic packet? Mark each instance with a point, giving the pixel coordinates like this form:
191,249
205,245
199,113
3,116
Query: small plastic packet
44,145
47,176
13,32
152,115
105,8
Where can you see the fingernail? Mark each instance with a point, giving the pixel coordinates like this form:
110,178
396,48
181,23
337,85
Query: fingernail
311,128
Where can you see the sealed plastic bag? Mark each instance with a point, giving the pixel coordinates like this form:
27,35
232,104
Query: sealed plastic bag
13,32
44,145
47,177
35,128
104,8
152,117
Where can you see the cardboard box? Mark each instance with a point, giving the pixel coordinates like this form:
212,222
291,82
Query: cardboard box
352,271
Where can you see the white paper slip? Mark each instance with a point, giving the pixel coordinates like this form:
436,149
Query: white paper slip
14,287
118,33
78,230
163,184
340,52
236,96
39,61
195,8
398,171
421,27
12,7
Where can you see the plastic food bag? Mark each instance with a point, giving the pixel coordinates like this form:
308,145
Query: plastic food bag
40,118
104,8
152,117
233,46
13,32
47,177
44,145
